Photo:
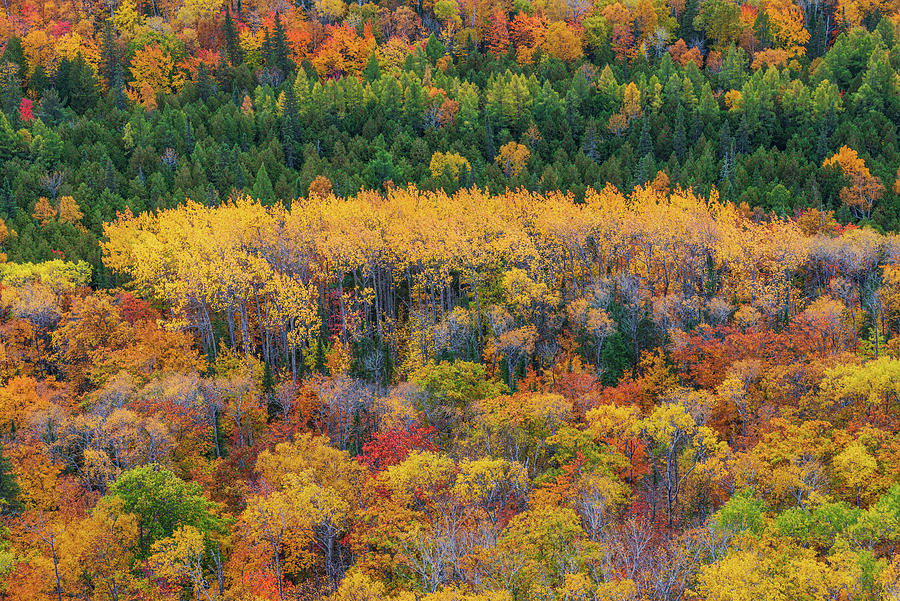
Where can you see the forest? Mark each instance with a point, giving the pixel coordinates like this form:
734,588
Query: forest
453,300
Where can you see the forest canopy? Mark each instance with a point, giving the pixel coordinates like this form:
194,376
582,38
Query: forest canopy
776,105
582,300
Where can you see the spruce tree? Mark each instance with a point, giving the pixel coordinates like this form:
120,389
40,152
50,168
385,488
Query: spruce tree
10,209
725,142
743,137
262,187
205,84
109,55
823,147
679,141
232,43
279,49
15,55
9,488
590,141
289,125
434,49
691,10
372,71
645,146
10,90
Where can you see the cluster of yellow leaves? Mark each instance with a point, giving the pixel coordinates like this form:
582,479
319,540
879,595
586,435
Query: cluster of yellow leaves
217,262
451,165
513,158
779,573
864,188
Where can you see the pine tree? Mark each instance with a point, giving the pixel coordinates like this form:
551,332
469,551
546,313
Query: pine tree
590,141
290,125
696,126
280,51
9,488
262,187
679,141
818,38
205,84
320,356
743,137
434,49
51,110
10,90
110,64
232,44
645,146
823,149
117,91
39,81
490,150
15,55
725,141
691,10
645,170
10,208
189,140
372,71
265,49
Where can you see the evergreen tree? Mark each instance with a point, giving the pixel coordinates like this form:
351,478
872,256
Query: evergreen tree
490,150
290,125
9,488
117,91
280,51
823,149
232,43
205,83
262,187
725,141
15,55
77,85
645,146
696,126
320,356
743,137
39,81
726,173
189,135
265,49
10,90
372,71
111,175
679,141
646,170
762,30
590,141
51,110
10,209
434,49
110,63
691,10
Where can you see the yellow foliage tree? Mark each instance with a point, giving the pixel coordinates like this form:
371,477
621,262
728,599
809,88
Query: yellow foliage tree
69,211
864,188
153,67
512,158
43,210
451,165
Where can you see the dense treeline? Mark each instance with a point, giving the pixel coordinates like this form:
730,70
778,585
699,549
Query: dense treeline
449,301
411,277
155,105
465,397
